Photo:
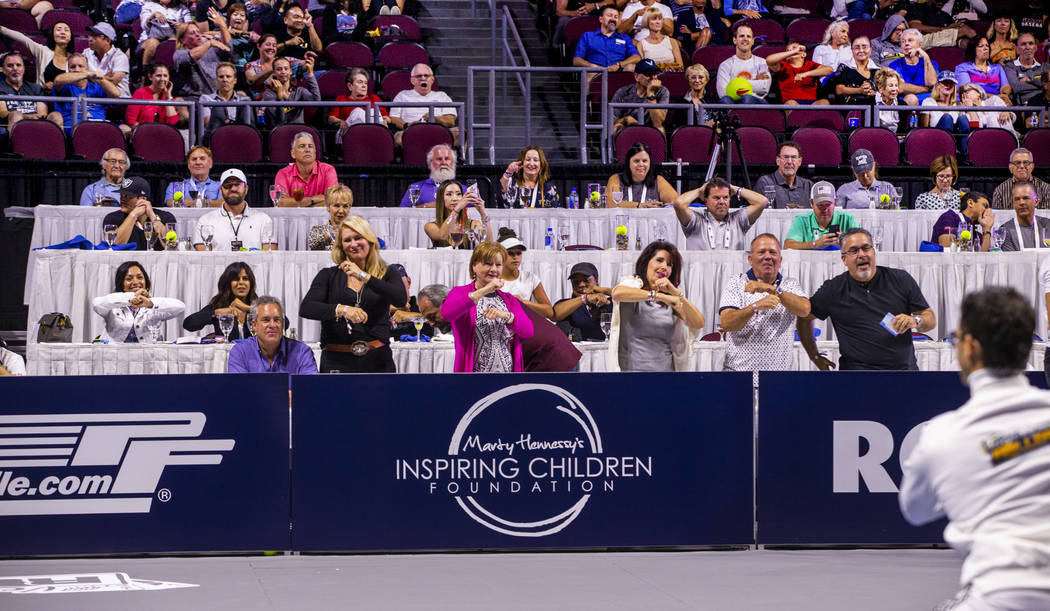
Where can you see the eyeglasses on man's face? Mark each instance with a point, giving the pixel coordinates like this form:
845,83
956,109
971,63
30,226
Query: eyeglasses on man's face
866,249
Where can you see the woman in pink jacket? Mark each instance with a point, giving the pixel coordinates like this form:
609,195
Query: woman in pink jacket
487,323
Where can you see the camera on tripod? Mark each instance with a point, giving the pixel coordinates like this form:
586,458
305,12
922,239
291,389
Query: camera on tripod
725,123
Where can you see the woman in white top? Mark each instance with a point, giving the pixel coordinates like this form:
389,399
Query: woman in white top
972,94
943,94
523,284
654,45
130,309
835,49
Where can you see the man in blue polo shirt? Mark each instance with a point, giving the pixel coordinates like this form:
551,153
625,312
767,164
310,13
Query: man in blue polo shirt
269,351
918,72
605,47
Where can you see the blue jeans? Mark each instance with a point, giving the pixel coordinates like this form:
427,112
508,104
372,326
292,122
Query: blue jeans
744,99
961,125
860,9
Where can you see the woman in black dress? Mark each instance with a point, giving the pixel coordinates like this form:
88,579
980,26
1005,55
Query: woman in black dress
236,292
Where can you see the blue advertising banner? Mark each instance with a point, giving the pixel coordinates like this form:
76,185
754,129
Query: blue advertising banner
829,453
123,464
521,461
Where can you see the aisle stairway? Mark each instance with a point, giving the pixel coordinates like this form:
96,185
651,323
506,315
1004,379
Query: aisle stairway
455,41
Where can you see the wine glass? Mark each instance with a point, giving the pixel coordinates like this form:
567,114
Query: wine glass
193,197
898,196
226,325
456,237
148,230
617,197
111,234
563,235
207,233
525,196
660,231
275,194
153,328
472,238
267,236
417,322
413,194
606,324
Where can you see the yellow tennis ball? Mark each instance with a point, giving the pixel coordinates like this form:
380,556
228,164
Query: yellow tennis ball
177,195
171,236
595,196
737,87
885,199
621,230
964,234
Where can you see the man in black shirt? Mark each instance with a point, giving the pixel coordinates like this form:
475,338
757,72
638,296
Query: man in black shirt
874,310
137,213
580,316
13,83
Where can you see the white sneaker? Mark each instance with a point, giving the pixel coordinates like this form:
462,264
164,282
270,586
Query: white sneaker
385,10
395,10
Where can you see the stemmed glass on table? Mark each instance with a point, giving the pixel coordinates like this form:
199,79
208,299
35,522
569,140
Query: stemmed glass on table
413,194
606,323
617,197
207,233
563,234
226,325
417,322
111,234
275,194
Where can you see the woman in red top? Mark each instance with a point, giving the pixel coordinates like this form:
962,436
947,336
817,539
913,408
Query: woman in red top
796,75
159,89
345,116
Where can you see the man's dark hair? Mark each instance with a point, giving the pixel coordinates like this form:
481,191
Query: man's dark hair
714,183
789,144
1025,183
1002,322
855,231
972,196
607,7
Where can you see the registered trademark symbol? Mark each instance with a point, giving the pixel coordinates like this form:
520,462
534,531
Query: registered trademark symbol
164,495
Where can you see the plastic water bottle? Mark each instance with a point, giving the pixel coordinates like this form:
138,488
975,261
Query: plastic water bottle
574,200
913,120
548,240
1033,121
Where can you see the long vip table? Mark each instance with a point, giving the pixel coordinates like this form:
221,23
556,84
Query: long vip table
402,228
66,280
120,359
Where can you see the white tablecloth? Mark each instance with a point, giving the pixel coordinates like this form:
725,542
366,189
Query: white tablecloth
66,280
120,359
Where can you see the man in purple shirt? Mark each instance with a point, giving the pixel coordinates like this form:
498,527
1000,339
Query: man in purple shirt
270,351
441,160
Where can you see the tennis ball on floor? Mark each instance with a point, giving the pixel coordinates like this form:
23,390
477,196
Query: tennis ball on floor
737,87
171,236
964,234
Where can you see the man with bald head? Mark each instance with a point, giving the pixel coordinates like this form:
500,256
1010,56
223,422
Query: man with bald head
422,91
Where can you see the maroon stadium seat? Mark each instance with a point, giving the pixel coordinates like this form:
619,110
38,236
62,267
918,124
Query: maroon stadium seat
815,118
767,50
417,139
409,27
78,22
158,142
402,55
820,146
880,141
332,83
91,139
771,119
713,55
396,82
38,139
692,144
773,31
991,147
165,54
651,136
18,20
1039,140
236,143
575,29
923,144
368,144
281,141
947,58
616,81
872,28
758,145
676,84
809,30
349,55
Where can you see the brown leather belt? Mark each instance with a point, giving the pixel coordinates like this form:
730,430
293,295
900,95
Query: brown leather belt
358,348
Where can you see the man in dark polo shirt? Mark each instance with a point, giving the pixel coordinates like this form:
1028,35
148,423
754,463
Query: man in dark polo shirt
136,214
874,311
580,316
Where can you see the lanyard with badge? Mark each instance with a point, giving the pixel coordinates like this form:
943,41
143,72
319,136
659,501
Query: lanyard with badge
711,232
235,243
1035,233
630,194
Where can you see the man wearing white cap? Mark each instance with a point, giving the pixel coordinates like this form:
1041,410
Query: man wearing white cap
819,229
103,57
235,226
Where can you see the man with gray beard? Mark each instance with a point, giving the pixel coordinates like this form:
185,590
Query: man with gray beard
441,160
873,308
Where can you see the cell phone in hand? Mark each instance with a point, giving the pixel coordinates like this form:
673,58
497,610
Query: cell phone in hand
833,229
472,188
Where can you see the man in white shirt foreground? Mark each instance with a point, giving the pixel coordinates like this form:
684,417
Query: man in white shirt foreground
986,465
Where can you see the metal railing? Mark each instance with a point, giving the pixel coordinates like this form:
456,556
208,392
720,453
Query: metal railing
74,110
491,124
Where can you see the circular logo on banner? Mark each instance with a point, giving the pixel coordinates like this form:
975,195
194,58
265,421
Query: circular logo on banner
547,404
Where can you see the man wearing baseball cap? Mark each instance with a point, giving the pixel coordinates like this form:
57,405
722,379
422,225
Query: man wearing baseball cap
136,214
866,189
103,57
820,229
580,316
234,225
647,89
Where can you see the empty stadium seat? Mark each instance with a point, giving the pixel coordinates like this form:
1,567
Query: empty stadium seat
349,55
692,144
235,143
333,83
402,55
769,28
815,118
713,55
991,147
1039,140
417,139
880,141
91,139
409,27
158,142
652,137
771,119
872,28
38,139
18,20
758,145
808,30
78,22
923,144
820,145
947,58
368,144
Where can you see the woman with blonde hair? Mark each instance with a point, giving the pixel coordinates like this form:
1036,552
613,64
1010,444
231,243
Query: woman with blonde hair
352,300
526,181
1002,34
655,45
338,199
943,94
